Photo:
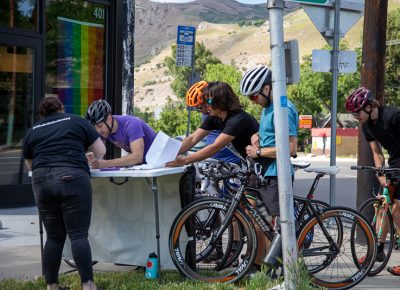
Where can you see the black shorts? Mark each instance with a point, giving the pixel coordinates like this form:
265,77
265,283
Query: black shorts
269,194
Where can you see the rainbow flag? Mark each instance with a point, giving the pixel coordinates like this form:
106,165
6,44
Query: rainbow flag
80,64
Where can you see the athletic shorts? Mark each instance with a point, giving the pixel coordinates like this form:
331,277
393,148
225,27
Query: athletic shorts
269,194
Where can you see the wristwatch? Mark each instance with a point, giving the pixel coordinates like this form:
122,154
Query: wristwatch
258,152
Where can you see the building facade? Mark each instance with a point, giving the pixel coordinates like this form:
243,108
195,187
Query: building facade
66,48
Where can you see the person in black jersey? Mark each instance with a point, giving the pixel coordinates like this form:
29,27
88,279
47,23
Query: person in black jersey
226,115
54,149
381,126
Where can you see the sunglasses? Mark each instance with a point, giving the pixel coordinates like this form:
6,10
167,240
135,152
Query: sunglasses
209,101
255,96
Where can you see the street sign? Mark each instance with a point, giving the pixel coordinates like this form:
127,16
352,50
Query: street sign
321,61
314,2
323,17
185,43
305,121
292,62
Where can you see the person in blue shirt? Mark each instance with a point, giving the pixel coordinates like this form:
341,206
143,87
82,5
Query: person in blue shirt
257,85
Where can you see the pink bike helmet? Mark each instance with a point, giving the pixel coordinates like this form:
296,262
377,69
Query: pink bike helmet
358,100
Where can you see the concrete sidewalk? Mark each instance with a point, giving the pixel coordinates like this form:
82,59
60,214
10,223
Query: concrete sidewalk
20,252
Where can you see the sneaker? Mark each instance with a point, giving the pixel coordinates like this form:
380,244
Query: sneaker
394,270
380,257
253,271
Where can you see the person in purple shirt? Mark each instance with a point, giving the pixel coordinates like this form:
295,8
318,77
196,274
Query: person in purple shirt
126,132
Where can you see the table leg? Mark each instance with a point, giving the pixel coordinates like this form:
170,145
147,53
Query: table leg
154,189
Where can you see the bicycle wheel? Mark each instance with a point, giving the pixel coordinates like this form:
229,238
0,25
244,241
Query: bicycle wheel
191,237
370,209
331,263
301,218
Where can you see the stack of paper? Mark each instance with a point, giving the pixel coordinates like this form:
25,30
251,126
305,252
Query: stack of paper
162,150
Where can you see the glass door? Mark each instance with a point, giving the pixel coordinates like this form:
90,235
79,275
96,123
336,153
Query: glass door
20,89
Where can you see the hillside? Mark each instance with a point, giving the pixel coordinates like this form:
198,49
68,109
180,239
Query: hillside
155,23
242,46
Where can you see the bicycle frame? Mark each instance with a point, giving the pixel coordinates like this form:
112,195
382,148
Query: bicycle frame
239,199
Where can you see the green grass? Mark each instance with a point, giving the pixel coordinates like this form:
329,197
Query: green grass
170,280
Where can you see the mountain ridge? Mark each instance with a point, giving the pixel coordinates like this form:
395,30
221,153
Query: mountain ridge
243,47
155,23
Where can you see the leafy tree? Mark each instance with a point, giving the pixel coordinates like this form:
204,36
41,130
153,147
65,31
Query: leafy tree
392,81
312,95
173,119
181,75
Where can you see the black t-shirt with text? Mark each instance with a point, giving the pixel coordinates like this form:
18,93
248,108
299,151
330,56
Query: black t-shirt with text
238,124
386,130
59,140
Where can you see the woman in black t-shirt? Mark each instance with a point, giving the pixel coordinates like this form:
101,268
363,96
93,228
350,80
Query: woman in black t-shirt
225,114
54,149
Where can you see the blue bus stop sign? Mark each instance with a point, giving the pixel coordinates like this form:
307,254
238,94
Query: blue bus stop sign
185,43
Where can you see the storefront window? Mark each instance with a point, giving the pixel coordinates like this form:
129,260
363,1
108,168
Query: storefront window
18,14
16,88
75,53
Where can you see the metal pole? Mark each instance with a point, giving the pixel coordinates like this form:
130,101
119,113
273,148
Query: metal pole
191,81
128,56
289,245
335,70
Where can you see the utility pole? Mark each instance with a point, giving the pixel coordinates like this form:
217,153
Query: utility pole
335,76
373,78
289,243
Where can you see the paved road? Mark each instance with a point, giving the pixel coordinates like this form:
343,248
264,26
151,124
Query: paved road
20,239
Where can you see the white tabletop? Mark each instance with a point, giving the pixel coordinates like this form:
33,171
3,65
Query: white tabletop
136,172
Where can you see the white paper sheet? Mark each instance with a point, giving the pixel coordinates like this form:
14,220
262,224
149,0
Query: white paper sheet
162,150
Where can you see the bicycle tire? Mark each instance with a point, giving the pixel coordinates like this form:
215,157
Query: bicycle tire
366,209
199,237
337,255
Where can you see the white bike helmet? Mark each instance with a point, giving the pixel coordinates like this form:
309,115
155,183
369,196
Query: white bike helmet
253,80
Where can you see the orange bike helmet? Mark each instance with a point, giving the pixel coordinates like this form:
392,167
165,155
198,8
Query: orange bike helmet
194,94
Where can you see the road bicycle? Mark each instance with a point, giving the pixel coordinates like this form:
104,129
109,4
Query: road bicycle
208,186
378,211
330,255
